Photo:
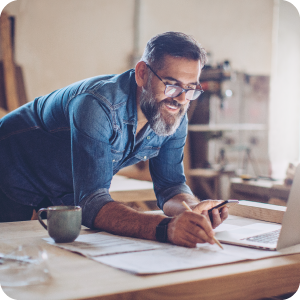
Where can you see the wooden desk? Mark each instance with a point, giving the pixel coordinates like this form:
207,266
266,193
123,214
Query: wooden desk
76,277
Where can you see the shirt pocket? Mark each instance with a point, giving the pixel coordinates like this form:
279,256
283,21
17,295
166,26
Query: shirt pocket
147,153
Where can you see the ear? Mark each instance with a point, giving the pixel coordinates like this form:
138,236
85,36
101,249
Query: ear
141,73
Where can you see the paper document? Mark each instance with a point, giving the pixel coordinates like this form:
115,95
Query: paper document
143,256
171,258
102,243
150,257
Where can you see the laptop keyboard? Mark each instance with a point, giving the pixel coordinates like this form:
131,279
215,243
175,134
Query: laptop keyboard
267,238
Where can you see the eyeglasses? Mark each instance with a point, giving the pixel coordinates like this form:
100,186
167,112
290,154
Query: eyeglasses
173,91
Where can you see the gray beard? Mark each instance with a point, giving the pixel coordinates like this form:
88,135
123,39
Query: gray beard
160,124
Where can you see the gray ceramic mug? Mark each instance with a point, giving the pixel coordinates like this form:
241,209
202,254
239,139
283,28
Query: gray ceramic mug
63,222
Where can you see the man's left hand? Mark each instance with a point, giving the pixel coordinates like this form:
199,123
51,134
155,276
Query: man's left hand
218,215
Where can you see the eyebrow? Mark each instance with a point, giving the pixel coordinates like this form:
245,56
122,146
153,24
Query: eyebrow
178,81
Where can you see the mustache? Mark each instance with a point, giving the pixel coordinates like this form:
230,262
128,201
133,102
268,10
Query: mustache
171,102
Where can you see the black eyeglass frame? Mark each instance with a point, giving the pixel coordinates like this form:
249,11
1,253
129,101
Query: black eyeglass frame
176,86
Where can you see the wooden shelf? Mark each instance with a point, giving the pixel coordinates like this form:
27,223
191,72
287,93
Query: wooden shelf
225,127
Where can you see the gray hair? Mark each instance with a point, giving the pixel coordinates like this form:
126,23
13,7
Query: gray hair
172,43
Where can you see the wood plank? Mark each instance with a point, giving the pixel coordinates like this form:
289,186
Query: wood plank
8,63
258,211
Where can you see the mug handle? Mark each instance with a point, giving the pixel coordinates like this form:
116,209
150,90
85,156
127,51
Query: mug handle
40,218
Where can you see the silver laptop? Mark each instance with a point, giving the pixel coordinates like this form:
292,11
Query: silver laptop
270,236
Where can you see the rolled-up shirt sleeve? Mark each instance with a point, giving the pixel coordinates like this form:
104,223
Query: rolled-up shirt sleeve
91,129
167,169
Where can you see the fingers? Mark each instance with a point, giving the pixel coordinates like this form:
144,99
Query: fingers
217,216
224,213
206,205
190,228
189,240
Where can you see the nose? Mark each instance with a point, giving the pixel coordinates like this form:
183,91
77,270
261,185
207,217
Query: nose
181,99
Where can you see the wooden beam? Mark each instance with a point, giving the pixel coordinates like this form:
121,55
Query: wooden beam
258,211
8,63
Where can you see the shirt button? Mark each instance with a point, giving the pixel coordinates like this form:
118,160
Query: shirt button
145,157
148,137
114,160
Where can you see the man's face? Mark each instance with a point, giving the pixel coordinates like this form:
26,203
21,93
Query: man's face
163,113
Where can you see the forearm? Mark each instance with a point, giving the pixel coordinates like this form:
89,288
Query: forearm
174,207
119,219
186,229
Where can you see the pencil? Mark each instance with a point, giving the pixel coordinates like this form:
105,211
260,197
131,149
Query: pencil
188,208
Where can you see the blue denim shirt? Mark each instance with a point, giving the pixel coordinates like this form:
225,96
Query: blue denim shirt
67,146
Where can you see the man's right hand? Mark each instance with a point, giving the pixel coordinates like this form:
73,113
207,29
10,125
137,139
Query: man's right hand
190,228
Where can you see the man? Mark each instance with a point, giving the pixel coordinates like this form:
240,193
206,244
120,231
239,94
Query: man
64,148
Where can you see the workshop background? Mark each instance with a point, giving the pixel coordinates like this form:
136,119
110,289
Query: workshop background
247,121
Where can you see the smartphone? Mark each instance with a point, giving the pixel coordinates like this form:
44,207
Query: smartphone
227,203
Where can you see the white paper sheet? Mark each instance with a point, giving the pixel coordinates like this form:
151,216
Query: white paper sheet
172,258
102,243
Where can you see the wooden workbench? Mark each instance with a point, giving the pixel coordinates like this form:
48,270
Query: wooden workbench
76,277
